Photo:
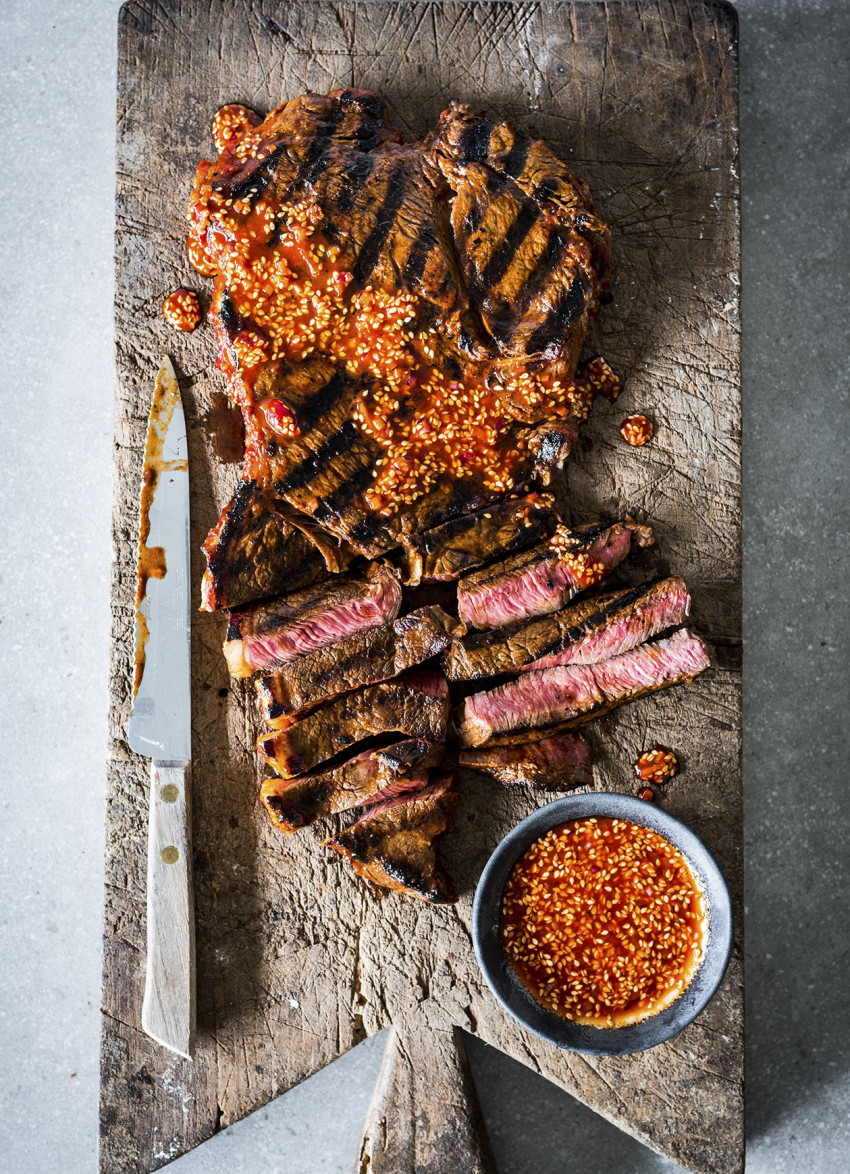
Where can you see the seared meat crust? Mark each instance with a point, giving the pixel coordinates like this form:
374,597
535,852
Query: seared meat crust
476,259
394,843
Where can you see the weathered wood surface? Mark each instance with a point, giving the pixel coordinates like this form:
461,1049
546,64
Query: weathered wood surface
297,961
424,1114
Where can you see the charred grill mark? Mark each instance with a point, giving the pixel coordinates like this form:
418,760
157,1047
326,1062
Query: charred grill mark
367,136
598,618
369,103
569,306
547,262
588,534
414,266
216,561
366,530
314,162
331,232
546,189
229,317
318,406
342,495
375,241
356,174
312,466
514,161
501,257
475,142
256,181
472,220
315,158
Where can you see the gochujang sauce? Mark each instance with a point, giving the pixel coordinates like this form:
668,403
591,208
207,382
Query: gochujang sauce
603,922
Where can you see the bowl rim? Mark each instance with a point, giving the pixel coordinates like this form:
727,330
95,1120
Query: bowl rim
514,997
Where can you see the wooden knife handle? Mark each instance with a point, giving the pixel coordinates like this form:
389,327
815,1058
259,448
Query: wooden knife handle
168,1009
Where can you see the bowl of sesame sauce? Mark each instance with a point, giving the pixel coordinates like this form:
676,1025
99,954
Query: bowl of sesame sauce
603,924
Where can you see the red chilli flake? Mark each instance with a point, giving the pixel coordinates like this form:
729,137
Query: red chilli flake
646,793
656,765
182,310
281,418
636,430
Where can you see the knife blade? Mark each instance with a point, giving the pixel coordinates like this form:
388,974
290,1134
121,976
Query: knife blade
160,725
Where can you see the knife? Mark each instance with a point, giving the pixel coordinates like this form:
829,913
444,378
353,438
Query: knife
160,725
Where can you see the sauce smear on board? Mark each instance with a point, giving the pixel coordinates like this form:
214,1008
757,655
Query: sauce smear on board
603,922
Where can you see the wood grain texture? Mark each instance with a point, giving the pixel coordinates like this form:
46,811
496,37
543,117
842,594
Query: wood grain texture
424,1114
168,1003
297,960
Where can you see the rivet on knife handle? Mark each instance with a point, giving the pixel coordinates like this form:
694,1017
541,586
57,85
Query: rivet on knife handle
168,1010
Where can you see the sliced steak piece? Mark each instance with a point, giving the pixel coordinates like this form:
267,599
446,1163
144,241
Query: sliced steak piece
448,551
552,764
416,705
393,845
553,699
369,777
542,580
366,658
254,551
269,635
583,633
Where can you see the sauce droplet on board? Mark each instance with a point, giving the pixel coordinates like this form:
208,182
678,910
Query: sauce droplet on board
636,430
646,793
656,765
182,310
231,122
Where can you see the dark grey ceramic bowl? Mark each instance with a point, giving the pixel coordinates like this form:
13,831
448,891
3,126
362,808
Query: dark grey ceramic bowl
600,1041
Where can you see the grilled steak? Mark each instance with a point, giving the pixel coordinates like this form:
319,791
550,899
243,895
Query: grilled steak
416,705
552,699
542,580
268,635
583,633
448,551
365,658
368,777
400,324
552,764
255,551
393,844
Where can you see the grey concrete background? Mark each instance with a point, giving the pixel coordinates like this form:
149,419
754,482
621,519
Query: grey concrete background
57,85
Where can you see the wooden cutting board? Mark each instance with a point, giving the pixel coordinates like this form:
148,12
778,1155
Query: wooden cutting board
298,960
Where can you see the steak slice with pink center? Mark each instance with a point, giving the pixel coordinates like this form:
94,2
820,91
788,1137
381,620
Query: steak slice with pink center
366,658
544,579
552,764
583,633
553,699
415,705
369,777
447,551
271,634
